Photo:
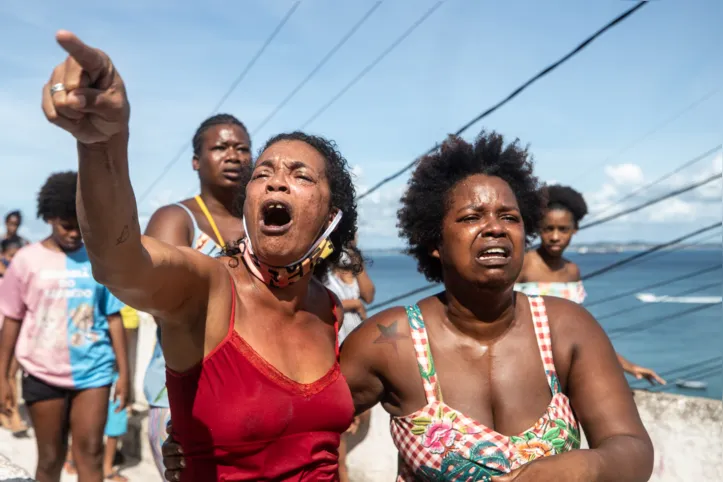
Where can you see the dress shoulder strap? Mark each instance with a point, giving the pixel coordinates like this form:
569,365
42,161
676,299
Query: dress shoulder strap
210,220
544,340
425,362
193,220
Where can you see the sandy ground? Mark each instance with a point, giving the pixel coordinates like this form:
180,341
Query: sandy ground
23,453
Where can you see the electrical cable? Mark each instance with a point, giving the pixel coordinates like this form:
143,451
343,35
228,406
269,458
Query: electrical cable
689,291
642,254
373,64
684,369
654,322
637,191
514,93
318,67
617,296
674,248
632,260
225,97
714,370
402,296
675,116
677,192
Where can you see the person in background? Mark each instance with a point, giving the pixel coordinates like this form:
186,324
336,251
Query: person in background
13,220
206,223
13,421
546,272
116,426
8,249
354,291
131,322
66,332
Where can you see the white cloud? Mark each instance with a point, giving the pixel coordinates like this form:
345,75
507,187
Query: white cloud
625,174
671,210
699,204
378,212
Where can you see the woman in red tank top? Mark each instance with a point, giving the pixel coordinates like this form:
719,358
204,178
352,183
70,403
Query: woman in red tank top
250,339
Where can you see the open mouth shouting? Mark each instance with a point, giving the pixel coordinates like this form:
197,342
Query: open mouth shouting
494,254
275,217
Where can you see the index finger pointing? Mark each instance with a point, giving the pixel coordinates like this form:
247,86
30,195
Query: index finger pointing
89,58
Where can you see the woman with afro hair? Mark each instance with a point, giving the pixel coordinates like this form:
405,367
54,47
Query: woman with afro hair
66,332
481,382
546,272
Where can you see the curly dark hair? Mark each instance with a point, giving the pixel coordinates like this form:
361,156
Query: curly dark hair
426,200
568,199
216,120
10,243
343,197
14,214
56,198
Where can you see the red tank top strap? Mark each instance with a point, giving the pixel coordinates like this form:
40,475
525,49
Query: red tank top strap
229,334
232,321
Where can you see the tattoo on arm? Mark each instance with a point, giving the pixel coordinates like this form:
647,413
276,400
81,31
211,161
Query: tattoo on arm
389,334
124,235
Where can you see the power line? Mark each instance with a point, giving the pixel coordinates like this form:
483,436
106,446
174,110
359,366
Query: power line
512,95
654,322
402,296
673,249
686,370
373,64
655,248
676,116
318,67
607,299
677,192
659,180
689,291
631,260
713,370
225,97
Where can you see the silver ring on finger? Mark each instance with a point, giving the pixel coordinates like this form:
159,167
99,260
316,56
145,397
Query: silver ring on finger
59,87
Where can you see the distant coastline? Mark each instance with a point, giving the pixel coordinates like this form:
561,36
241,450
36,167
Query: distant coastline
599,247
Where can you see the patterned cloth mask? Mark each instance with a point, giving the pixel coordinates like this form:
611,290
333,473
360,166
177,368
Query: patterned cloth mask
283,276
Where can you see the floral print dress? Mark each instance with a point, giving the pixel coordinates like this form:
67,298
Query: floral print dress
438,443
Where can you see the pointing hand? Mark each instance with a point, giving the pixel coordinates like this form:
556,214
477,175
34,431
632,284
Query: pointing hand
85,94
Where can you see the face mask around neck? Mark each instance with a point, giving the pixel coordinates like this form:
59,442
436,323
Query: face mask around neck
282,276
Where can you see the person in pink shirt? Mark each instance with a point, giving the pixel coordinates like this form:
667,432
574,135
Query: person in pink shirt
66,332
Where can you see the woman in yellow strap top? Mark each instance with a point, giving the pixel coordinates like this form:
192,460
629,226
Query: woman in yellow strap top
222,158
546,272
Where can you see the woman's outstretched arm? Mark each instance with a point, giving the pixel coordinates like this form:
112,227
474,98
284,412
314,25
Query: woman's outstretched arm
144,273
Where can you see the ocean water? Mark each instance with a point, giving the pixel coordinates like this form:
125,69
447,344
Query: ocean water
679,347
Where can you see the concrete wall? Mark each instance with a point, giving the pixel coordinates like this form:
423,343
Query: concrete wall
10,472
687,434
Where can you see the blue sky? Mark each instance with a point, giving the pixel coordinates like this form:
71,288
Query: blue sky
586,123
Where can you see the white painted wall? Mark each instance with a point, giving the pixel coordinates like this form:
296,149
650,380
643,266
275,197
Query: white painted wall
687,434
